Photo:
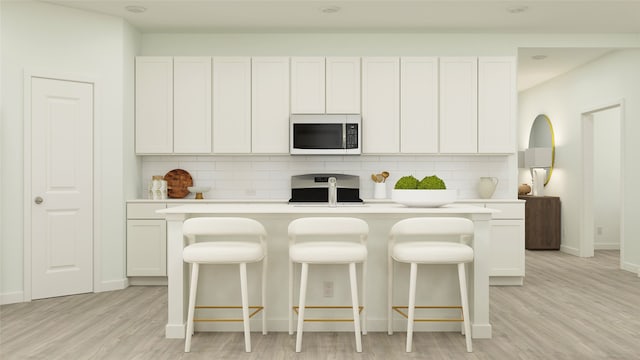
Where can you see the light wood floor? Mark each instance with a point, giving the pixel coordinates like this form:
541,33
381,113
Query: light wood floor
569,308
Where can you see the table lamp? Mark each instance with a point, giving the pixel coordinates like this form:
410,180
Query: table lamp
538,160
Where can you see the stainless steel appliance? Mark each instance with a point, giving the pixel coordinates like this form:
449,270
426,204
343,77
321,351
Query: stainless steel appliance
315,188
325,134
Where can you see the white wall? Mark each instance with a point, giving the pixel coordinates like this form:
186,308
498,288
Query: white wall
269,177
39,37
604,81
606,178
370,44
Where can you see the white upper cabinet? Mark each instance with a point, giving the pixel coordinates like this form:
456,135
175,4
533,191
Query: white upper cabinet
380,105
458,105
419,105
496,105
270,105
307,85
343,85
154,105
231,105
192,105
325,85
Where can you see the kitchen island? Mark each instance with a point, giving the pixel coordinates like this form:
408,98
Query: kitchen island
276,217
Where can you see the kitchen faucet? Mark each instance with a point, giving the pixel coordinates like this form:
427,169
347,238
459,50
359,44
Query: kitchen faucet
333,192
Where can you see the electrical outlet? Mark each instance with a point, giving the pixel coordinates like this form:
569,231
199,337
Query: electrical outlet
327,288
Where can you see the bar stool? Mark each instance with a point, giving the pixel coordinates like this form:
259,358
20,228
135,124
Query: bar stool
345,244
227,251
426,251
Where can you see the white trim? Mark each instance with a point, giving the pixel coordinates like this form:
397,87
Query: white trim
112,285
586,234
26,241
606,246
630,267
148,281
97,166
11,297
570,250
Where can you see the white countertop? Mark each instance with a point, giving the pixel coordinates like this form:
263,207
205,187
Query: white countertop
284,201
319,208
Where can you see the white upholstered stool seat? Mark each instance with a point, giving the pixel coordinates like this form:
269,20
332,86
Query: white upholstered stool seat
328,252
230,240
223,252
343,242
432,252
405,249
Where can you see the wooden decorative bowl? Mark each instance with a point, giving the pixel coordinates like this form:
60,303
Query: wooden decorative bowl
178,182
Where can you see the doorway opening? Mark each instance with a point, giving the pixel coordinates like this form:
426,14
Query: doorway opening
603,191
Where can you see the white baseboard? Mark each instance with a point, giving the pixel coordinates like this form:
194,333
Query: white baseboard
112,285
148,281
606,246
176,331
635,268
506,280
570,250
11,297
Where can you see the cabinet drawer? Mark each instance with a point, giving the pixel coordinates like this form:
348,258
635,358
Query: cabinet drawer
507,211
145,211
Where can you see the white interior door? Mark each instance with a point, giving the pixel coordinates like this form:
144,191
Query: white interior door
61,187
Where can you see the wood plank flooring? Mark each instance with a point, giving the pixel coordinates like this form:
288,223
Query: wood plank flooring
569,308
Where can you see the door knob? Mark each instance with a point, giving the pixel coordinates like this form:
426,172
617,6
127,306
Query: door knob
38,200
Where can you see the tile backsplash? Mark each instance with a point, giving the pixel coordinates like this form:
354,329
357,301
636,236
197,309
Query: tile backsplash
269,177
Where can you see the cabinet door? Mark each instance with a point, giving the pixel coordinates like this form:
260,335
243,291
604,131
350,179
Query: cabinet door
380,105
343,85
458,105
146,248
191,105
419,105
307,85
154,105
231,105
270,105
507,248
496,105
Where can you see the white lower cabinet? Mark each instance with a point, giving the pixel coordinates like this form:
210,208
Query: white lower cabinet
146,240
507,243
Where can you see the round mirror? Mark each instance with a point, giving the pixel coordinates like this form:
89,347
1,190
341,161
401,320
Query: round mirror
541,136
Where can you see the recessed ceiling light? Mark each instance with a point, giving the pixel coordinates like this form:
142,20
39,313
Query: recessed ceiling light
539,57
330,9
135,9
517,9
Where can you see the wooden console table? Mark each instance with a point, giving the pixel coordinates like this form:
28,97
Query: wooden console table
542,222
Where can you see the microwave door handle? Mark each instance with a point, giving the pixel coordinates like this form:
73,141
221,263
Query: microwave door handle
344,135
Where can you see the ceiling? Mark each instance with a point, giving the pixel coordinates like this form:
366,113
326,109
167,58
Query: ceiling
434,16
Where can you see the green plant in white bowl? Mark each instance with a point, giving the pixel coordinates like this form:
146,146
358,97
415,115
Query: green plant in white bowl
431,191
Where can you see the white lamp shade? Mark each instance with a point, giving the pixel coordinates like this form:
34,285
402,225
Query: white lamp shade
537,158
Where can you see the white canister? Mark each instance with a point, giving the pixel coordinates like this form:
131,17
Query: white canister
163,189
379,190
155,189
487,186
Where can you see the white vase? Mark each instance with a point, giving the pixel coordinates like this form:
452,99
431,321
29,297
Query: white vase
538,176
487,186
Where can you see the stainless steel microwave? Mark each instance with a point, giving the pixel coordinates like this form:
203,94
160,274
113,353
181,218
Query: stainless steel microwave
325,134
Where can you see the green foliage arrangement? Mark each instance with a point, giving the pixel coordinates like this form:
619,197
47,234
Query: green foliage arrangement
431,183
407,182
427,183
